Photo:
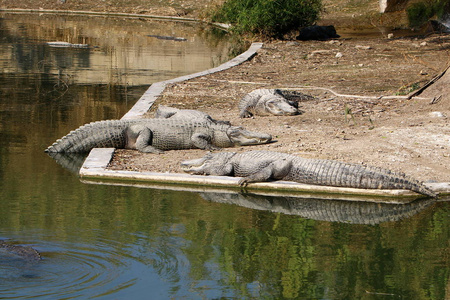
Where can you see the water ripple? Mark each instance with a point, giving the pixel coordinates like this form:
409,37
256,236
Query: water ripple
68,270
97,268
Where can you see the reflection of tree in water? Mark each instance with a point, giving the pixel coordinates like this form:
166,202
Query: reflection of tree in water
34,60
335,250
216,37
47,64
63,80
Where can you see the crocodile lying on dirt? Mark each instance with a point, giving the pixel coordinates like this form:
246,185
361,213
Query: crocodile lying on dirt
166,112
257,166
155,136
26,252
263,102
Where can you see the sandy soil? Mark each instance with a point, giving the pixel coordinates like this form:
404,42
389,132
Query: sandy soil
412,136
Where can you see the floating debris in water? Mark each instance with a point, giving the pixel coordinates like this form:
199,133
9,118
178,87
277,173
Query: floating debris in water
170,38
66,45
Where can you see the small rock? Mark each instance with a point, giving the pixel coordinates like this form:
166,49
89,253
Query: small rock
292,43
363,47
339,55
321,52
437,114
332,42
390,36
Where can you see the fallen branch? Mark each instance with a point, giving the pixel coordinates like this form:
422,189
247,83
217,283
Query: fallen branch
436,99
433,80
407,97
354,96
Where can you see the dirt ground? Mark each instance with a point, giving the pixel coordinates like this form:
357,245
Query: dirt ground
412,136
359,126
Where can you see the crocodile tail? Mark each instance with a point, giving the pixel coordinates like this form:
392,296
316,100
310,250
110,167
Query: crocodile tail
422,189
398,180
295,96
335,173
248,102
101,134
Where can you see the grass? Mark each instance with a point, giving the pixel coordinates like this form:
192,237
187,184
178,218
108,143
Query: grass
270,18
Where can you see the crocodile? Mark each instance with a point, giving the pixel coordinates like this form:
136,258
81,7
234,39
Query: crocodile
155,136
258,166
166,112
265,102
25,252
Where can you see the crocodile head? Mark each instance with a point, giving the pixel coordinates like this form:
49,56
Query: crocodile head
278,105
239,136
210,164
24,252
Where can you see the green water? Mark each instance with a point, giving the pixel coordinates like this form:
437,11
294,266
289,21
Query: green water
116,242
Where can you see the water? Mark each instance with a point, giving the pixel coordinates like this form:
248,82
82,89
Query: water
112,242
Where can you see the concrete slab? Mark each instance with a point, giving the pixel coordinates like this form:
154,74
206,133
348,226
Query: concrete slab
94,171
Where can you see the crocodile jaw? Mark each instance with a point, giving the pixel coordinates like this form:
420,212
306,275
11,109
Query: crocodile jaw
194,166
242,137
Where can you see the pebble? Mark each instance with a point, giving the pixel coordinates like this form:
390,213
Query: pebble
437,114
291,43
363,47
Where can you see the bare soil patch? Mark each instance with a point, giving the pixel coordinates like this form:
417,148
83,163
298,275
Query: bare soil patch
412,136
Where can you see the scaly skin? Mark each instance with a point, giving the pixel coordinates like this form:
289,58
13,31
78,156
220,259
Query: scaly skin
353,212
24,252
156,135
263,102
166,112
257,166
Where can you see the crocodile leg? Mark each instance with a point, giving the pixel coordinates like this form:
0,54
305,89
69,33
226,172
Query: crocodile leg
277,170
203,141
143,141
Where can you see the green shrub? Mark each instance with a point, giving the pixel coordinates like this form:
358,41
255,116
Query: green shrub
420,12
271,18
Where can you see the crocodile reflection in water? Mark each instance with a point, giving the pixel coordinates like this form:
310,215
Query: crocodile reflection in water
69,161
353,212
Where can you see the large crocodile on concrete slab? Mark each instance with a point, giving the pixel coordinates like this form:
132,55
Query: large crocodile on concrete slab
155,136
257,166
263,102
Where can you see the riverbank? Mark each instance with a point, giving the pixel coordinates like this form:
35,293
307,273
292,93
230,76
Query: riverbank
412,136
